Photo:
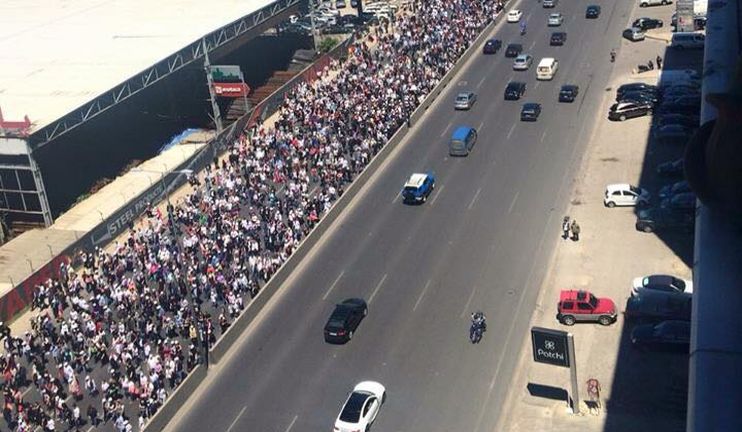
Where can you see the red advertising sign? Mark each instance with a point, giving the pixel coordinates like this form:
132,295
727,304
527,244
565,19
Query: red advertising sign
232,90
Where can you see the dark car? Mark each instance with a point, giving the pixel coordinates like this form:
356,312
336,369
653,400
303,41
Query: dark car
669,190
675,119
674,335
558,38
699,22
592,12
344,320
530,112
671,168
689,100
647,23
638,96
673,133
629,109
681,203
513,50
514,90
659,306
670,107
633,87
568,93
659,219
492,46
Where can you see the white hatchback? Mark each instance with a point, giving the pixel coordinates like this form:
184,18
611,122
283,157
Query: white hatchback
361,407
514,16
624,194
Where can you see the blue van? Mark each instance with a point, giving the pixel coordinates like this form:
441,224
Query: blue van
462,141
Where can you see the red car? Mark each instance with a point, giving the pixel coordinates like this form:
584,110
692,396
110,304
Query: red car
582,306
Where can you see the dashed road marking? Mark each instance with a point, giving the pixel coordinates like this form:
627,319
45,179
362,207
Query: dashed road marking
446,129
512,203
376,290
435,197
422,294
468,302
543,135
292,423
234,422
333,285
474,200
512,128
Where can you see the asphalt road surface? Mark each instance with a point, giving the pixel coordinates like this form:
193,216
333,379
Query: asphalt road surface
482,241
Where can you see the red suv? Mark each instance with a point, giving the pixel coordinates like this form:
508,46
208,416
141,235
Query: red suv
577,306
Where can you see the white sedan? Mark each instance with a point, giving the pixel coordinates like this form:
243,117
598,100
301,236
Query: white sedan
514,16
361,408
664,283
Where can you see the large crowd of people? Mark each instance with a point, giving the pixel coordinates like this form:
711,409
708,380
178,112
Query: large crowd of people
113,336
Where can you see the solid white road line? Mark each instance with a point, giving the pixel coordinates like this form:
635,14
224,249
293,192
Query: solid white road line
292,423
435,197
512,204
476,195
378,285
512,128
422,294
333,285
234,422
468,302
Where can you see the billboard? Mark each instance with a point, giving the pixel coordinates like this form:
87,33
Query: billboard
232,90
226,74
550,346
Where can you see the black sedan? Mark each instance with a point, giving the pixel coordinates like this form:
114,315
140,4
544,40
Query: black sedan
633,87
530,112
492,46
682,203
513,50
671,168
647,23
656,307
672,335
668,191
568,93
558,38
344,320
660,219
675,119
514,90
592,12
638,96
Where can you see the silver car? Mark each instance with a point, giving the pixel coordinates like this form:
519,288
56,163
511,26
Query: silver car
555,19
522,62
465,100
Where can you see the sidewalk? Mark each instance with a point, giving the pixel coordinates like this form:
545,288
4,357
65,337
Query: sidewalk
639,390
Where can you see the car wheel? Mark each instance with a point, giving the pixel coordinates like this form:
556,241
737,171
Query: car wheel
622,117
365,311
610,204
350,335
568,320
664,2
605,320
647,229
642,4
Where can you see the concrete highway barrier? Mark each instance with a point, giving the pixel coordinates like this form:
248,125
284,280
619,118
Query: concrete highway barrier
176,400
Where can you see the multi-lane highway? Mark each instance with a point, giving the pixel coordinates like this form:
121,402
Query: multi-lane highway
482,241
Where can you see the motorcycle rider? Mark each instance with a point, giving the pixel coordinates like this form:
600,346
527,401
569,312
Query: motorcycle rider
522,27
479,320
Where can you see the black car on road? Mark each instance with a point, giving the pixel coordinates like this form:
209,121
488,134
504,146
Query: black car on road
514,90
661,219
647,23
568,93
513,50
670,335
558,38
492,46
344,320
530,112
592,12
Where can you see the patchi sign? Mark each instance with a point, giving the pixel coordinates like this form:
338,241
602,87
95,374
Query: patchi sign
550,346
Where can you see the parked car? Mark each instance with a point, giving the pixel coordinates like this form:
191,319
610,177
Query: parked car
592,12
675,119
555,19
522,62
682,202
568,93
669,334
418,188
670,190
624,194
691,100
630,109
558,38
634,87
514,16
361,408
465,100
673,133
677,91
647,23
492,46
344,320
633,34
515,90
661,282
673,168
645,3
659,219
657,307
582,306
530,112
638,96
513,50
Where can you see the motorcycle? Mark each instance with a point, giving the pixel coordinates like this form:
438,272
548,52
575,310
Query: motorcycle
522,30
478,327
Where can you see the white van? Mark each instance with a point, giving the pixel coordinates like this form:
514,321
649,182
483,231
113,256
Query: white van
688,40
546,69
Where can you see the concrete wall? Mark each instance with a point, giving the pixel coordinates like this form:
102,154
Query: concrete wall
176,400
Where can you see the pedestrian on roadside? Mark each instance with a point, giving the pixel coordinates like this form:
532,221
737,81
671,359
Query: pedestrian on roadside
575,228
659,62
651,65
565,227
93,415
613,55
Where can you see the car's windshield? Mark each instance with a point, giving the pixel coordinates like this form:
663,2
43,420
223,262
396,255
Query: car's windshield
410,189
593,301
636,190
352,411
462,98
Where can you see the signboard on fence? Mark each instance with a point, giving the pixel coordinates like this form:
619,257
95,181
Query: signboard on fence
232,90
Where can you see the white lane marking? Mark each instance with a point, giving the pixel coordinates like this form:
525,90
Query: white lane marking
446,129
422,294
436,195
543,135
468,302
512,203
333,285
535,86
533,44
378,285
292,423
473,200
397,196
234,422
479,128
512,128
481,82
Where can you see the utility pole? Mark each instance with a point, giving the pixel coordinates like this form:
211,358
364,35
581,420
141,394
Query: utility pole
314,28
210,84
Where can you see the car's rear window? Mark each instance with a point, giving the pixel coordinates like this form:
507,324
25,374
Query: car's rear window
352,411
